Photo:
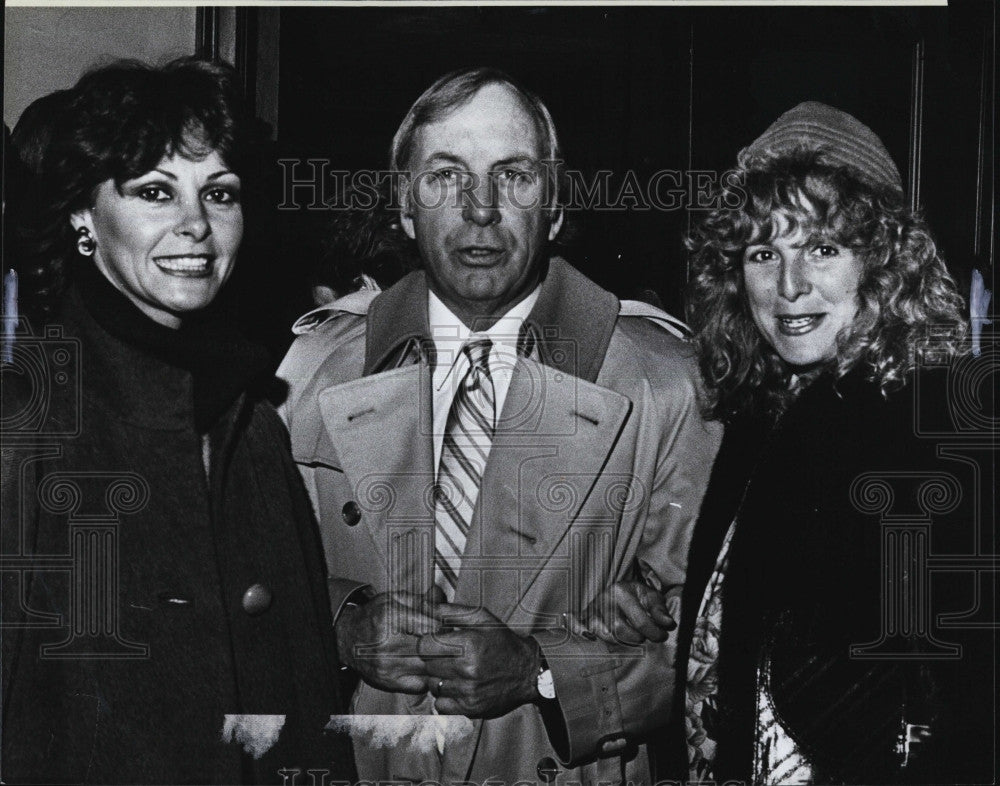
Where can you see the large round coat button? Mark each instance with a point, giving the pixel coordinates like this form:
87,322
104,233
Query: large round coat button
351,513
257,599
547,769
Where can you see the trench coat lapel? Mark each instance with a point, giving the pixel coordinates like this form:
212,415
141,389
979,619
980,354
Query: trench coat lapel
381,425
566,427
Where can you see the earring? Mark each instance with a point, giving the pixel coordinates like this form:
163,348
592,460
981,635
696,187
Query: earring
85,242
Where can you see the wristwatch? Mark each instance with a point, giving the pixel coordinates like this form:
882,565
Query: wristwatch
544,682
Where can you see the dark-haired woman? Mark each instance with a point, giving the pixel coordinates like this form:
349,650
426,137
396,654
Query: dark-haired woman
165,616
820,647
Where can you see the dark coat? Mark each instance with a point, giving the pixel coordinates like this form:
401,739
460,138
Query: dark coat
805,583
186,644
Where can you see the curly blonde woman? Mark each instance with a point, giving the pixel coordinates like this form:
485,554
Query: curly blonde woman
812,303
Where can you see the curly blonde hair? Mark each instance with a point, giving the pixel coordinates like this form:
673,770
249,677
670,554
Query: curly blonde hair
906,298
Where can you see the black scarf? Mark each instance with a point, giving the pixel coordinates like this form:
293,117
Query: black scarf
221,361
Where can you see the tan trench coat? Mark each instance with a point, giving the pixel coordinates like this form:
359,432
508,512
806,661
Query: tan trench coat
596,473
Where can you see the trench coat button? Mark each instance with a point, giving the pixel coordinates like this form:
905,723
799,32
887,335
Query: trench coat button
351,513
256,600
547,769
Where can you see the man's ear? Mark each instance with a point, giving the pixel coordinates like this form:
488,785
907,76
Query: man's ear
557,222
405,209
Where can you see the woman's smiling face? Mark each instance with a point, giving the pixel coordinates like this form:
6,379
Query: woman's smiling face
168,239
802,289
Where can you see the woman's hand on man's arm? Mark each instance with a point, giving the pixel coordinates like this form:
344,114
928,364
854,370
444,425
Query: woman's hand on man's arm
626,612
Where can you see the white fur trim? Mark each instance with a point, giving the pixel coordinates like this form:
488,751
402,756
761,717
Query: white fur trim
256,733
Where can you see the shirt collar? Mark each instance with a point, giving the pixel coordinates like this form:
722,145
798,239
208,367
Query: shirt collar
570,324
446,329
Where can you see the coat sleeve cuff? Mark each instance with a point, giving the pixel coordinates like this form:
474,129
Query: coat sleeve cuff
344,591
585,719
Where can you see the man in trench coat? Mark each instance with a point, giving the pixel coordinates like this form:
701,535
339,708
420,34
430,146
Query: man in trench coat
593,467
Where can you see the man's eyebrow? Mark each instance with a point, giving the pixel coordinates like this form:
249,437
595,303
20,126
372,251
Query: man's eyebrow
523,159
443,157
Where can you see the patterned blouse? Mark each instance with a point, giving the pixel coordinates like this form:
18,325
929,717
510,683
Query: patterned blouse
777,759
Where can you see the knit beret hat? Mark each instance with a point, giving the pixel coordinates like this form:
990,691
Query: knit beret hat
840,139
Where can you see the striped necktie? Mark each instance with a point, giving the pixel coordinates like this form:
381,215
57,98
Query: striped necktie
467,439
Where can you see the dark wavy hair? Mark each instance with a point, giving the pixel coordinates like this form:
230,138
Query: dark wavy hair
905,288
116,123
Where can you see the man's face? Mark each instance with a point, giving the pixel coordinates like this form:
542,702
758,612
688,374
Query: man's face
477,204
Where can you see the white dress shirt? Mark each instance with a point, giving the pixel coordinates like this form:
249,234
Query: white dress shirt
450,334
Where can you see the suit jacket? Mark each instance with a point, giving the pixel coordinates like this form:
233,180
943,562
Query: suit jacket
596,473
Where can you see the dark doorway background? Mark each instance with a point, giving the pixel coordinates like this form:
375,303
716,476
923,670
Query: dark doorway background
641,90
